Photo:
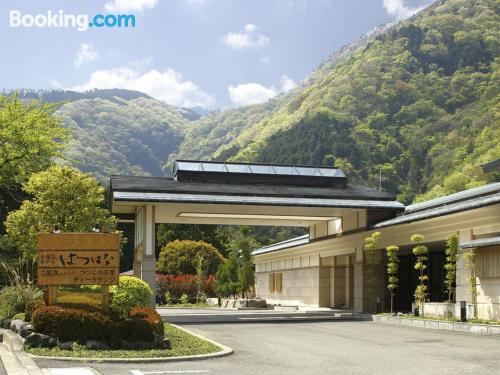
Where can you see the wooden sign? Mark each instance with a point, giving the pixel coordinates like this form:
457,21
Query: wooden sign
78,258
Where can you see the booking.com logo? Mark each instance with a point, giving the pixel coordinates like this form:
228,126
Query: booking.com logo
82,22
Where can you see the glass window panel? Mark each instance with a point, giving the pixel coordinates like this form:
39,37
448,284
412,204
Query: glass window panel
238,168
211,167
261,169
306,171
188,166
284,170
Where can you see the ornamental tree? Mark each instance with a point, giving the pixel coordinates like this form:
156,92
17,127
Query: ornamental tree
371,242
451,263
392,270
183,257
30,137
420,251
61,196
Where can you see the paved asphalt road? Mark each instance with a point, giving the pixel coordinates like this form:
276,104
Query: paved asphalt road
327,347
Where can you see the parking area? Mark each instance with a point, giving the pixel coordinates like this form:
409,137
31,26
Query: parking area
326,347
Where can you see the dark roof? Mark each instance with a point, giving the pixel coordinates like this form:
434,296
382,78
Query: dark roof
492,166
465,200
242,173
170,185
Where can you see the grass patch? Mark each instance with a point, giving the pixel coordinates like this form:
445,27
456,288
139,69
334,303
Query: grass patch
74,298
182,344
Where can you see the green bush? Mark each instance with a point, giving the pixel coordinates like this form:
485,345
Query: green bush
168,298
14,299
32,307
130,292
73,324
184,299
179,258
19,316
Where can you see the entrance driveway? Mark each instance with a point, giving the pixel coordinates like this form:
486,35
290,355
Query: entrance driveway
328,347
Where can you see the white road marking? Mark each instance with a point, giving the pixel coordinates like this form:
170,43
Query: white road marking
139,372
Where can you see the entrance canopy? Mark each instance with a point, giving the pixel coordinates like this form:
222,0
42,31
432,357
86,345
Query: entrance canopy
242,193
200,192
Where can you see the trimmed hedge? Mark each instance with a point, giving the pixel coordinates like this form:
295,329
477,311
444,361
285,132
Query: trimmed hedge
144,324
72,324
68,324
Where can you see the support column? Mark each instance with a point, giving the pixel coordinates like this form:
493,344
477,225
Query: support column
462,292
358,280
148,262
144,253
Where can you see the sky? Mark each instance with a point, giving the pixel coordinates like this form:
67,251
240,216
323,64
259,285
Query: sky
210,53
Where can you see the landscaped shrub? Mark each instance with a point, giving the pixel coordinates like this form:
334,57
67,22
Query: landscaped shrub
184,299
73,324
130,292
32,307
176,286
19,316
180,257
14,299
143,324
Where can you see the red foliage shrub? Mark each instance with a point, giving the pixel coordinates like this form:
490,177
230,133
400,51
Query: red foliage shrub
184,284
72,324
148,323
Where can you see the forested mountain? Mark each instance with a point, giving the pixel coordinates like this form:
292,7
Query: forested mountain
118,136
418,102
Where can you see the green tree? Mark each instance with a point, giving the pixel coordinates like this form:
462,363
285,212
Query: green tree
392,270
420,251
61,196
30,137
371,242
450,266
226,278
180,258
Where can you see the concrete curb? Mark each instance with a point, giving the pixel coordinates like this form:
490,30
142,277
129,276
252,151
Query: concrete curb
222,353
15,360
478,329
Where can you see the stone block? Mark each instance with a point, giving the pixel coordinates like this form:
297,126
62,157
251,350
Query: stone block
448,326
461,327
493,330
431,324
96,345
479,329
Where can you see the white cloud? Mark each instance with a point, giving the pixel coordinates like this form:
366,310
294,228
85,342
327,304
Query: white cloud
249,38
265,59
254,93
398,10
167,85
287,83
129,5
85,54
250,93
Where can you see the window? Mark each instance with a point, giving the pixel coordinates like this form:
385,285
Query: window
279,282
271,282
